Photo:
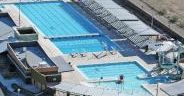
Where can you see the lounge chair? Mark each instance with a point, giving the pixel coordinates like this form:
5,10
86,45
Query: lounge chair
145,43
118,25
110,19
87,2
100,55
113,52
73,55
104,14
99,11
137,38
83,54
95,6
129,33
122,31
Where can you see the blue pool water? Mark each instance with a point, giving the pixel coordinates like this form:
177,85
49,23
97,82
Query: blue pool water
7,20
61,19
90,44
57,18
130,70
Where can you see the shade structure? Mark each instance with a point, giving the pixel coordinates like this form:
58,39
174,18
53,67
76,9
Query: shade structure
173,89
161,46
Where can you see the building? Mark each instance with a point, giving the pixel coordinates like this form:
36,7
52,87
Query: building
30,55
26,33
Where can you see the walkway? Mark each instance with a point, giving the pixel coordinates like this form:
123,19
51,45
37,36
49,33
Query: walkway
78,89
152,88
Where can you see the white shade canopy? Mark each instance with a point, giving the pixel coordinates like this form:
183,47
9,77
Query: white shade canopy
162,46
173,89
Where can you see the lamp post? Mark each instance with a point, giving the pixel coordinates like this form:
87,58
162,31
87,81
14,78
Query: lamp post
18,91
19,12
157,89
152,20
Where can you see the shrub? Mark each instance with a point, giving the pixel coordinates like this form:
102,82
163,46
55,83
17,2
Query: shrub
173,19
181,24
162,12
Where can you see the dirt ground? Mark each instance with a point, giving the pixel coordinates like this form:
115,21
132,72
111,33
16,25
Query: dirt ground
171,9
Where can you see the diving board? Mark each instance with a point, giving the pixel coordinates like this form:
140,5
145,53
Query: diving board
74,36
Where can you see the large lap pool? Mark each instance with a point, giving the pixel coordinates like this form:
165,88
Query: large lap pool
61,19
130,70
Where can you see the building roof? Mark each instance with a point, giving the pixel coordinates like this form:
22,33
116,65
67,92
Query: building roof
61,64
108,4
141,28
128,18
1,92
118,11
6,31
3,45
173,89
123,14
31,54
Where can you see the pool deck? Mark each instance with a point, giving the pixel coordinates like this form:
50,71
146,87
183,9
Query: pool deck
152,88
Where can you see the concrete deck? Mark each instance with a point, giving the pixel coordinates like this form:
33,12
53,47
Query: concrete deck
152,88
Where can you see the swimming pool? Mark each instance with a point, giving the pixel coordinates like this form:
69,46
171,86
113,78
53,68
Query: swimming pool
130,70
6,19
61,19
80,45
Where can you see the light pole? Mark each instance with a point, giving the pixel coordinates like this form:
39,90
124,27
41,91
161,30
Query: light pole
18,91
152,20
19,12
157,89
